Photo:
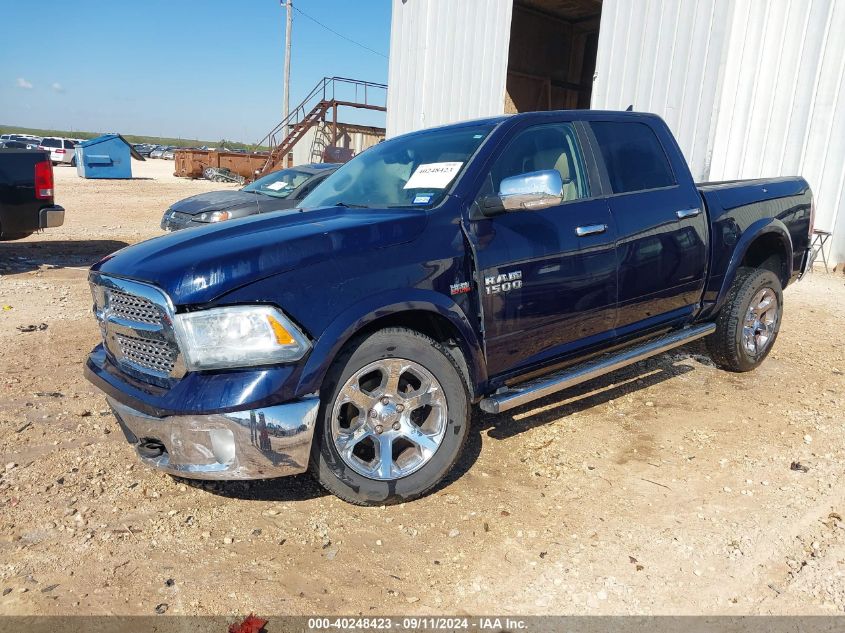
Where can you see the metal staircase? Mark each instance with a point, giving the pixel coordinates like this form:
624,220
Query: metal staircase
322,141
327,96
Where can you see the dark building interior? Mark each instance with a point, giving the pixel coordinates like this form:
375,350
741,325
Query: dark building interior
552,54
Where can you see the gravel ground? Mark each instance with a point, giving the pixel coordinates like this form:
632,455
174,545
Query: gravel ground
670,487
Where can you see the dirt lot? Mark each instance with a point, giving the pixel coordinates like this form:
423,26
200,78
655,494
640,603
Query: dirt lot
669,487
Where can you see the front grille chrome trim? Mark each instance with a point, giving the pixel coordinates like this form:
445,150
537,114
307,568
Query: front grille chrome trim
136,321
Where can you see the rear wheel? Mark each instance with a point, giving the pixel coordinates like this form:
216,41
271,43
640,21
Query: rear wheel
393,419
749,322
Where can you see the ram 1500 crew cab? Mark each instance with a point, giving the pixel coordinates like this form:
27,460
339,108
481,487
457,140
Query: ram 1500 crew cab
486,263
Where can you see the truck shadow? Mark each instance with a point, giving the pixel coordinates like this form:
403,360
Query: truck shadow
579,398
296,488
593,393
500,427
22,257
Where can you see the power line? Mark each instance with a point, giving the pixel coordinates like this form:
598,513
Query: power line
340,35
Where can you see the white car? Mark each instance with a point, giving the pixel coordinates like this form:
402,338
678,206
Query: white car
62,150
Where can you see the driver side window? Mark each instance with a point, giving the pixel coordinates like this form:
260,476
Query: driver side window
539,148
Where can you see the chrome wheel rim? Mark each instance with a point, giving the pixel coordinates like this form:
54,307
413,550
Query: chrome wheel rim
760,321
389,419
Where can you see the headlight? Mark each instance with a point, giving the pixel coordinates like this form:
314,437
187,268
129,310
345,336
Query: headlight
238,336
214,216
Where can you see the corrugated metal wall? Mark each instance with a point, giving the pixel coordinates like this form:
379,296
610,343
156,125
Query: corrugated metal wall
448,61
664,56
751,88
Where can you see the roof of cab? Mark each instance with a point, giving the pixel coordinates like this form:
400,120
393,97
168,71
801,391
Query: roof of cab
585,115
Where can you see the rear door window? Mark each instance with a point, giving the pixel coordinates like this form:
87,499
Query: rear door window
633,155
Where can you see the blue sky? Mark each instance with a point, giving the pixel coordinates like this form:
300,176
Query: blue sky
205,69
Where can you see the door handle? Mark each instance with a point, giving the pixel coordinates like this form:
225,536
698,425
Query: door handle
590,229
687,213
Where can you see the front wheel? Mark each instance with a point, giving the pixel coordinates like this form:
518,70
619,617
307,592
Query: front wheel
394,417
749,322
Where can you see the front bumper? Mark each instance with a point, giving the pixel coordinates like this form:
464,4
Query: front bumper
251,444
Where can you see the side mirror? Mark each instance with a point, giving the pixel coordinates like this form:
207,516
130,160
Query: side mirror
532,191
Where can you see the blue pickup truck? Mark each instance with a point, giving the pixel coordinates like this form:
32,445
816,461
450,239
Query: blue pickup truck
485,263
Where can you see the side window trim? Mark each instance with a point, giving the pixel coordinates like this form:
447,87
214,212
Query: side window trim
596,171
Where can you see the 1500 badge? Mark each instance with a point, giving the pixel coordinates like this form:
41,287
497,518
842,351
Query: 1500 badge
505,282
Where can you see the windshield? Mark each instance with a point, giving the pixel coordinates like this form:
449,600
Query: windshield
411,171
279,184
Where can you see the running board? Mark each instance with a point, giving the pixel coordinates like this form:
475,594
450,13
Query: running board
541,387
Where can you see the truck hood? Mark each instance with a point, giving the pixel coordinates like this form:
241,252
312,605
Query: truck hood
199,265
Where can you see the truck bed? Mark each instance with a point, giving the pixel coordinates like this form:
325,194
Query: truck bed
743,207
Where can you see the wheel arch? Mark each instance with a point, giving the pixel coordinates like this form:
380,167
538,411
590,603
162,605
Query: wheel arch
429,313
763,240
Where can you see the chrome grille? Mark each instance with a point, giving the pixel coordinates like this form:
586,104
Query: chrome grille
132,308
150,354
136,320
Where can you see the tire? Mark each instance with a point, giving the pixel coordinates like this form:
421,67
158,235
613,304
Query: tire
73,162
747,326
410,395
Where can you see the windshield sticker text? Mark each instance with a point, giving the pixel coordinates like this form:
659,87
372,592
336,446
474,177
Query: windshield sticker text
433,175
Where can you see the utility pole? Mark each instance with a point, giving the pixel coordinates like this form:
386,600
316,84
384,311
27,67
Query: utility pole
288,24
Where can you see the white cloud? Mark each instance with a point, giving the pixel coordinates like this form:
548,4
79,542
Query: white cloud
57,87
23,83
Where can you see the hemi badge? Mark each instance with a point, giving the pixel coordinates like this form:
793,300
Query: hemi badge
459,288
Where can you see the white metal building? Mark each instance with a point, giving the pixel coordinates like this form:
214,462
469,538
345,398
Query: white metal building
751,88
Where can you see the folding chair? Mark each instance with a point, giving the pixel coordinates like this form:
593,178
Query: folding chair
820,238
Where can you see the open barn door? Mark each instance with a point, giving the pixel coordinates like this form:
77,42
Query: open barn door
552,55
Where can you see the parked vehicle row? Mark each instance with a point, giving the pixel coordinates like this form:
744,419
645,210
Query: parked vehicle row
159,150
62,150
167,151
492,262
19,141
11,144
144,149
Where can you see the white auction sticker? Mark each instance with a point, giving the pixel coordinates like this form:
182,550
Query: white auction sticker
276,186
433,176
